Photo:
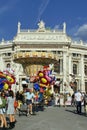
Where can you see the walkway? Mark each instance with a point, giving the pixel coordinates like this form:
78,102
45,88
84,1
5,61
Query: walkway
53,118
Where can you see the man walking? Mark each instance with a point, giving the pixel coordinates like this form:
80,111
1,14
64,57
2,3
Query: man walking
78,99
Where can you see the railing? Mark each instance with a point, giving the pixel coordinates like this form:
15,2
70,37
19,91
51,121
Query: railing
46,30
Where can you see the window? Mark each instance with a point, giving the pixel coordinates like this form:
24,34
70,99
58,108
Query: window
85,56
86,86
74,68
75,55
9,54
54,52
57,66
85,69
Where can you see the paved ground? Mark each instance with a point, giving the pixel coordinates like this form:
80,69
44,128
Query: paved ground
53,118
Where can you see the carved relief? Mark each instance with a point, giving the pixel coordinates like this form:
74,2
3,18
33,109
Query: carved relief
26,54
41,37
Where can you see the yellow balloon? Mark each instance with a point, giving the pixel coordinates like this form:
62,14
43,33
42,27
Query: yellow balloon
43,80
6,86
41,74
43,85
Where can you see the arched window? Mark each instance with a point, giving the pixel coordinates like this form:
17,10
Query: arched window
74,68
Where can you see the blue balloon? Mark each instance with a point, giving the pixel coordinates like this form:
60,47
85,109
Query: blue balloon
2,80
1,85
36,87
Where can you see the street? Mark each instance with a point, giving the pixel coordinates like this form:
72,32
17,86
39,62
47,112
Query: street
52,118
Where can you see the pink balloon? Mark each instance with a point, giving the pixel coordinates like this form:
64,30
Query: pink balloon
48,78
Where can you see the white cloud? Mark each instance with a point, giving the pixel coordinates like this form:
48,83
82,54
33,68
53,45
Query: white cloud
42,8
82,32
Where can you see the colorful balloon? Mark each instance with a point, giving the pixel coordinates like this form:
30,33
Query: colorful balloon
36,87
2,75
2,80
44,80
6,86
1,86
10,79
48,78
6,79
40,74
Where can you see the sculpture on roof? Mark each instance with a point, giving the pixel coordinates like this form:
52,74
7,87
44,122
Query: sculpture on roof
64,27
41,25
19,25
2,42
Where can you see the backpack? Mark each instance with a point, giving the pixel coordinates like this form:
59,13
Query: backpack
15,104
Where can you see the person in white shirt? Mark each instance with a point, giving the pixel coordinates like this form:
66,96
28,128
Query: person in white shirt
78,99
29,100
9,69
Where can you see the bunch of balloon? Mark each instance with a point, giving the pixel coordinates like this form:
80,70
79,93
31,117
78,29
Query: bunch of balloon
6,80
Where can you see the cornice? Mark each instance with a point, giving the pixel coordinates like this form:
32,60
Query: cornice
42,37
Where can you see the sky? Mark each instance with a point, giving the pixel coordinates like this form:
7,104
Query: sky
53,12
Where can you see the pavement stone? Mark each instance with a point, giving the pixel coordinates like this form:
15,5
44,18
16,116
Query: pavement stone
52,118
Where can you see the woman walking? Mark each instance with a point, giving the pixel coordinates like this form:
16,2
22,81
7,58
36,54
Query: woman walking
11,109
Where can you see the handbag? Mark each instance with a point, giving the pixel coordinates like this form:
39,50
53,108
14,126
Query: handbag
15,104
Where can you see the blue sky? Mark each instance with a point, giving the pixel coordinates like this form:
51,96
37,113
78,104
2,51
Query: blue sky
52,12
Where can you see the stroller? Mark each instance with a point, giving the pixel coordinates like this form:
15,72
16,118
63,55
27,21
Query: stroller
23,110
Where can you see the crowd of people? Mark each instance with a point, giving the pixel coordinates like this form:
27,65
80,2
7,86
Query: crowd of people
77,99
45,91
10,103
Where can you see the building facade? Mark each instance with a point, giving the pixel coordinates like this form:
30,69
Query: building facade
30,50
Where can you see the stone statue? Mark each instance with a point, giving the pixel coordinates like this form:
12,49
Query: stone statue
41,25
64,27
19,24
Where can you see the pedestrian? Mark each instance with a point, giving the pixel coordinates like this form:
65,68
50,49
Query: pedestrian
56,98
78,99
29,100
11,109
2,110
9,69
73,100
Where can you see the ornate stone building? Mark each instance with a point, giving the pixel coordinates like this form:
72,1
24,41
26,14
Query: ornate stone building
30,50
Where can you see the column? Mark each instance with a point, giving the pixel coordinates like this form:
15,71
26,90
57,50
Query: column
82,73
61,66
2,63
64,68
70,66
61,73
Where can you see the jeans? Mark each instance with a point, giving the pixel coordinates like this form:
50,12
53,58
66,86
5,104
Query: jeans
78,106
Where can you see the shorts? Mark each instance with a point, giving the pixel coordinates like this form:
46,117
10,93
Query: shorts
28,102
1,111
